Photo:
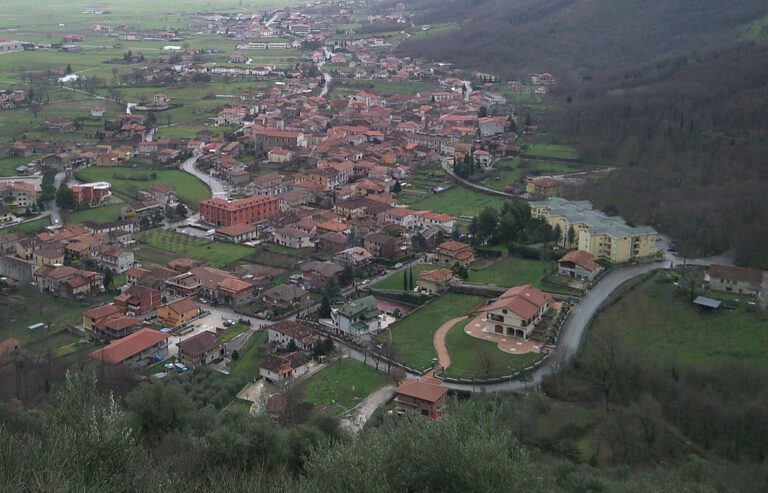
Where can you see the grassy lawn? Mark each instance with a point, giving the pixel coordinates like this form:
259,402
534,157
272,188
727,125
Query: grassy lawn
190,189
28,307
233,332
98,214
29,227
458,201
412,336
513,271
219,254
553,151
659,321
476,358
247,364
343,384
396,281
8,165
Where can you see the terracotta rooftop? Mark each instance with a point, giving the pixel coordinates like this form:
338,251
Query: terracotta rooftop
122,349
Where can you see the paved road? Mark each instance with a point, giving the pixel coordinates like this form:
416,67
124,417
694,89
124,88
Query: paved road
217,188
570,335
56,218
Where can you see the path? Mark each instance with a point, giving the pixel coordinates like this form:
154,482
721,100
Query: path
443,357
475,186
216,187
369,405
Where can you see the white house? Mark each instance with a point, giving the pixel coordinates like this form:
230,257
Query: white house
281,369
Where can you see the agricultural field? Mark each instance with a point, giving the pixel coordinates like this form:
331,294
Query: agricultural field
127,181
395,282
342,385
412,336
514,271
434,30
103,214
380,87
477,358
551,151
47,15
457,201
219,254
511,171
658,320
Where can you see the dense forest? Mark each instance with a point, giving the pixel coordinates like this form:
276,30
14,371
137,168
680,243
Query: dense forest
672,93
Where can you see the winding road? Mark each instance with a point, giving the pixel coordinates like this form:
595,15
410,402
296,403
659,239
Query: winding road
571,333
217,188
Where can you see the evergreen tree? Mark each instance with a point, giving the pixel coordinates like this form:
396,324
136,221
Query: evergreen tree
410,281
405,280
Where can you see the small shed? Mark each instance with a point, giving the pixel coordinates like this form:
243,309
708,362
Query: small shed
707,304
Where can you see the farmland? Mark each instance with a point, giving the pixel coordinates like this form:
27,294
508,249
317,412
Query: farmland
219,254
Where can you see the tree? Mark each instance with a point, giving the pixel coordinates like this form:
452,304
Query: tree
526,377
65,198
418,242
325,307
69,69
571,235
410,280
181,210
557,233
158,408
482,112
487,223
472,230
405,280
109,278
397,188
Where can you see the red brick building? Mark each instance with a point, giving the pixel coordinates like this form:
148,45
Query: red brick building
244,211
423,397
89,193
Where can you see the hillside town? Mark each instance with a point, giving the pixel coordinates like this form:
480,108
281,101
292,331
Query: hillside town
328,215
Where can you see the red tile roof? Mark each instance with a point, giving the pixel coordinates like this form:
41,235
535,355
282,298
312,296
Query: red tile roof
580,258
422,390
127,347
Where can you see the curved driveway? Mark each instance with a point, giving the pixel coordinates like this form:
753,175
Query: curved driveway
571,332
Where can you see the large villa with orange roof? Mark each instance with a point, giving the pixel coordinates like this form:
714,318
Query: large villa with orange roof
516,312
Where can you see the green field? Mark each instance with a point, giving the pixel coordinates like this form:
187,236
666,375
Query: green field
97,214
8,165
513,271
30,227
511,171
218,254
476,358
458,201
247,363
660,322
412,336
379,87
342,385
233,332
189,189
395,282
552,151
434,30
29,307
